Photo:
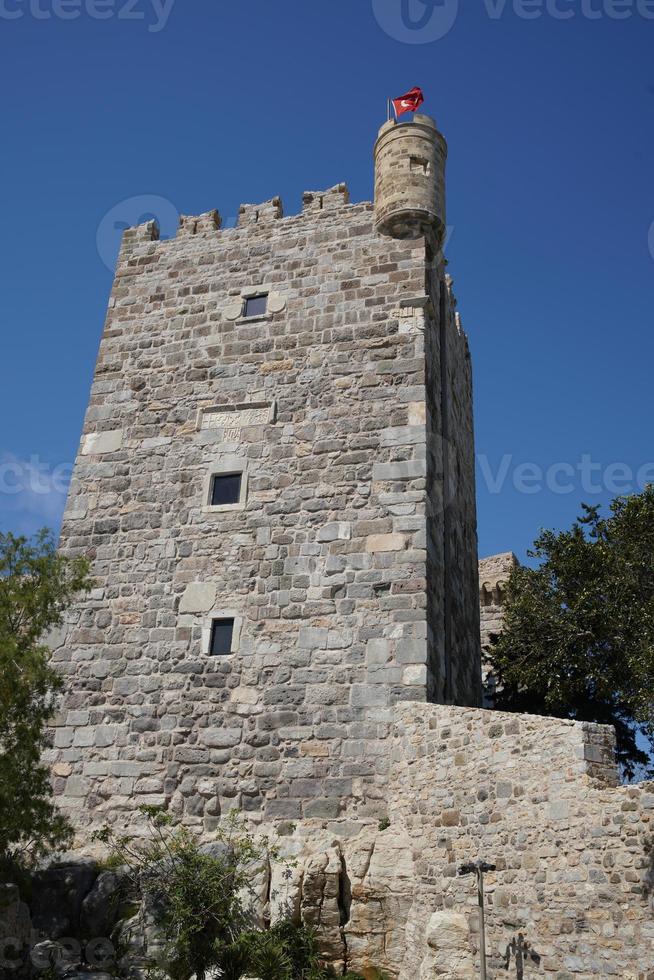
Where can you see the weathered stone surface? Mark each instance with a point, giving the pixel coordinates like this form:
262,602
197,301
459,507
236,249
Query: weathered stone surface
320,909
493,576
449,955
386,542
15,920
97,443
58,895
99,910
198,597
322,403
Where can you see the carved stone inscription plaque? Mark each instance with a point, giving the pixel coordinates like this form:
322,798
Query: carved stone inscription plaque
235,417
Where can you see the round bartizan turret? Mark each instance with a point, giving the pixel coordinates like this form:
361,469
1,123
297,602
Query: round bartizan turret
410,179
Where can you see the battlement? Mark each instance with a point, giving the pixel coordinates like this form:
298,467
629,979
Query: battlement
254,218
494,574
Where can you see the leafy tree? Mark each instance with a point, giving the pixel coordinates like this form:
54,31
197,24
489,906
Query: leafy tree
36,587
578,634
195,895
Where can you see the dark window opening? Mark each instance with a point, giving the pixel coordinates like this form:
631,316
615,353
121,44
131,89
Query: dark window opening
222,632
256,305
226,489
420,165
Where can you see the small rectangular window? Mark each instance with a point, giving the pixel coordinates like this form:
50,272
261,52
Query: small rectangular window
256,305
222,632
225,489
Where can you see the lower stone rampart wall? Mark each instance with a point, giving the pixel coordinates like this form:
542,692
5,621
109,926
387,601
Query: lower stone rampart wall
535,796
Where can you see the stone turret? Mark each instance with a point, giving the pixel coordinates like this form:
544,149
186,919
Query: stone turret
410,180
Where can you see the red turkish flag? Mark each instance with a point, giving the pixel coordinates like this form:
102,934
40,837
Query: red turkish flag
410,102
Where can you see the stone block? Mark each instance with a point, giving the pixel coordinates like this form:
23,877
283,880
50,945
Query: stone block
338,531
416,674
98,443
407,470
283,810
411,651
379,651
220,738
83,737
403,435
325,809
364,695
104,735
559,810
198,597
77,787
417,413
386,542
313,638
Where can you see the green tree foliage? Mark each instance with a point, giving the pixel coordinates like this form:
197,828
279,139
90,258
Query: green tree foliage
578,635
198,899
36,587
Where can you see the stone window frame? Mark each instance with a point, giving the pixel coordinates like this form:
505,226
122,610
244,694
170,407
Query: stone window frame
276,303
249,293
248,297
225,465
221,612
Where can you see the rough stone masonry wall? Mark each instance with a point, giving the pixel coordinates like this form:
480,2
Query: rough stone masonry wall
494,574
452,517
322,403
537,797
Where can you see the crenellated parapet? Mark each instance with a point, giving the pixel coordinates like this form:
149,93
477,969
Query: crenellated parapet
494,573
138,235
251,217
260,214
208,222
316,201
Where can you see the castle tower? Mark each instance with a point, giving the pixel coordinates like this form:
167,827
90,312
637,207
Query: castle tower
276,485
410,180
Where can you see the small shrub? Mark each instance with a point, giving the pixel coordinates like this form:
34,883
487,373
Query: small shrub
195,899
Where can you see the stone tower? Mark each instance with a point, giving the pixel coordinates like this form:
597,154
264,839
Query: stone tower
276,486
410,180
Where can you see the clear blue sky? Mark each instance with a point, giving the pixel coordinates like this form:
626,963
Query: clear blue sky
209,104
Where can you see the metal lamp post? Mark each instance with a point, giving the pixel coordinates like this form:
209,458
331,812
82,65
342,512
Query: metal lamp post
478,868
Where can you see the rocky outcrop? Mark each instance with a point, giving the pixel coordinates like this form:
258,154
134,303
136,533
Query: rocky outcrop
446,947
58,893
320,904
100,909
381,876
